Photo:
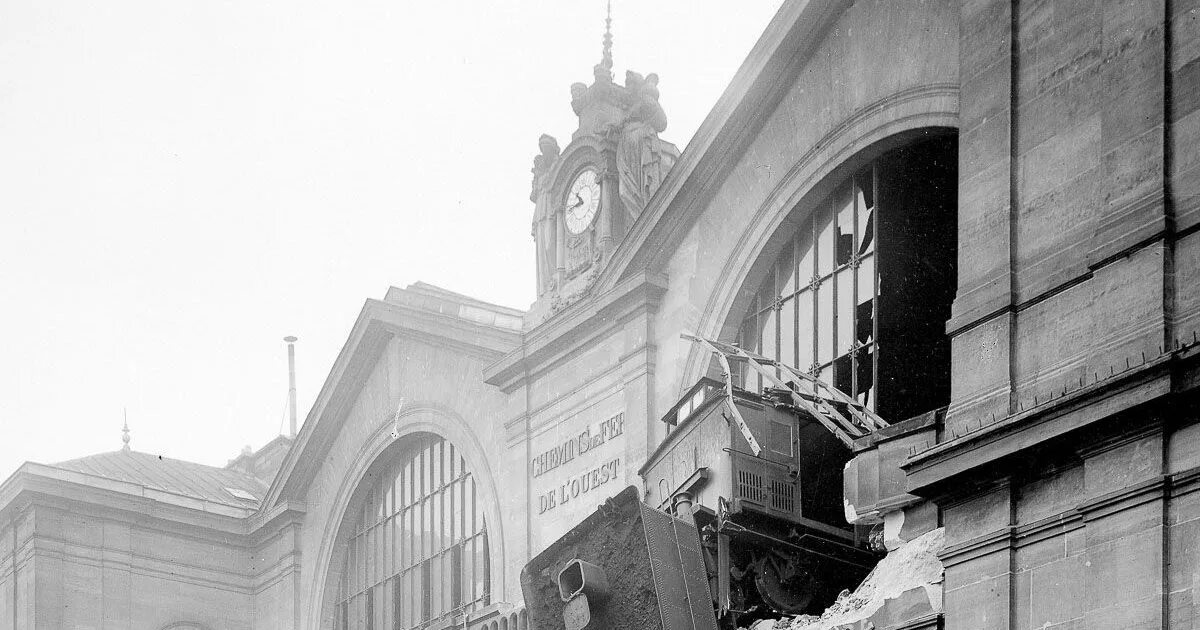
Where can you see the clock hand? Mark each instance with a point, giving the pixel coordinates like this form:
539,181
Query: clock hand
577,203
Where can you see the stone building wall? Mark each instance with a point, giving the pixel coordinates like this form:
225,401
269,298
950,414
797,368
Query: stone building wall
86,569
1066,471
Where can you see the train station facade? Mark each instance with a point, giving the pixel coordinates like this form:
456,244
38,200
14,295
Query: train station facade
975,218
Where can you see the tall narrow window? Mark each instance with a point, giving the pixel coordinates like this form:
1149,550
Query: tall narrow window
860,294
816,308
404,566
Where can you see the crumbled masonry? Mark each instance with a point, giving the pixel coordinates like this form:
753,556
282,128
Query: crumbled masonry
915,564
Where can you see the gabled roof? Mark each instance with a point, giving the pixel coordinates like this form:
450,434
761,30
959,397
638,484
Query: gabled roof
457,323
189,479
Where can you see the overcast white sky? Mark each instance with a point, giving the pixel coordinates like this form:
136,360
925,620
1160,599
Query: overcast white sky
185,182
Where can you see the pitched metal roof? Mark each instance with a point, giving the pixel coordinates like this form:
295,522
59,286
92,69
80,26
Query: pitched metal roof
198,481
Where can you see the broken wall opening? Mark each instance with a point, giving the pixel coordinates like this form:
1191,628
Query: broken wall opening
859,295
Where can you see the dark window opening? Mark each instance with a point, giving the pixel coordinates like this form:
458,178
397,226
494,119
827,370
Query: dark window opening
918,277
860,294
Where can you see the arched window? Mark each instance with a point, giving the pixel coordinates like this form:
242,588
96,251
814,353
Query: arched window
860,293
417,551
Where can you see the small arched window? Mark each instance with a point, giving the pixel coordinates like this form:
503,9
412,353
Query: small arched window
417,552
860,293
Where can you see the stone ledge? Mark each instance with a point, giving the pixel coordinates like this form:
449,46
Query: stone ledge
929,472
1153,489
986,545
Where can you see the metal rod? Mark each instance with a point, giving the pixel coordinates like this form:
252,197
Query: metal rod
291,342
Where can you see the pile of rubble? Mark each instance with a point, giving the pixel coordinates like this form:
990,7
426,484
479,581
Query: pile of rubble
912,565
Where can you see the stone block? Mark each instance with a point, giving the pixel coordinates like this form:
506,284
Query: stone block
1133,104
1138,521
1075,541
983,231
986,95
1145,614
1053,231
977,569
977,516
979,606
1057,107
1183,543
985,145
985,32
1122,572
1183,444
1022,598
860,480
1133,179
1124,466
1128,310
1053,341
1059,38
1185,91
909,605
1181,610
919,519
1031,555
1060,158
1130,26
1050,495
1184,168
1184,32
1057,592
979,361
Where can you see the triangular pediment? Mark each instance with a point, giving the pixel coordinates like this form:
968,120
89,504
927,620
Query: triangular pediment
422,313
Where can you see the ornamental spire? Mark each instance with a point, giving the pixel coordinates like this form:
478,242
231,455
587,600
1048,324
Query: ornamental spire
606,59
125,433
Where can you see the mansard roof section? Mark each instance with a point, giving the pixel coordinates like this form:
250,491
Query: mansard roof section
427,297
77,486
221,486
756,89
423,312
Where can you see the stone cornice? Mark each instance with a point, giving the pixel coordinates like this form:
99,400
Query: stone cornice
1153,489
1185,482
1156,488
978,547
932,470
931,621
1049,527
574,327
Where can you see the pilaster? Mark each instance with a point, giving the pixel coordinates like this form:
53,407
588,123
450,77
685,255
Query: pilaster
981,321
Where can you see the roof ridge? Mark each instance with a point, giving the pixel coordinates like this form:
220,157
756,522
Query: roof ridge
425,288
169,474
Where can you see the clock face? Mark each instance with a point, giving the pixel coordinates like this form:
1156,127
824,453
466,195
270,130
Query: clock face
583,200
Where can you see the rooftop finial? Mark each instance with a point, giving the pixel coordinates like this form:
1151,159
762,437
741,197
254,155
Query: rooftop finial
606,58
125,431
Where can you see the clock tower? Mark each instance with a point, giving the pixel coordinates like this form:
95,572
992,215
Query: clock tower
588,194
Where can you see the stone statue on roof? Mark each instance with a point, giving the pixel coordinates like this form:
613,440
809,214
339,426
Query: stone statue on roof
643,159
543,228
